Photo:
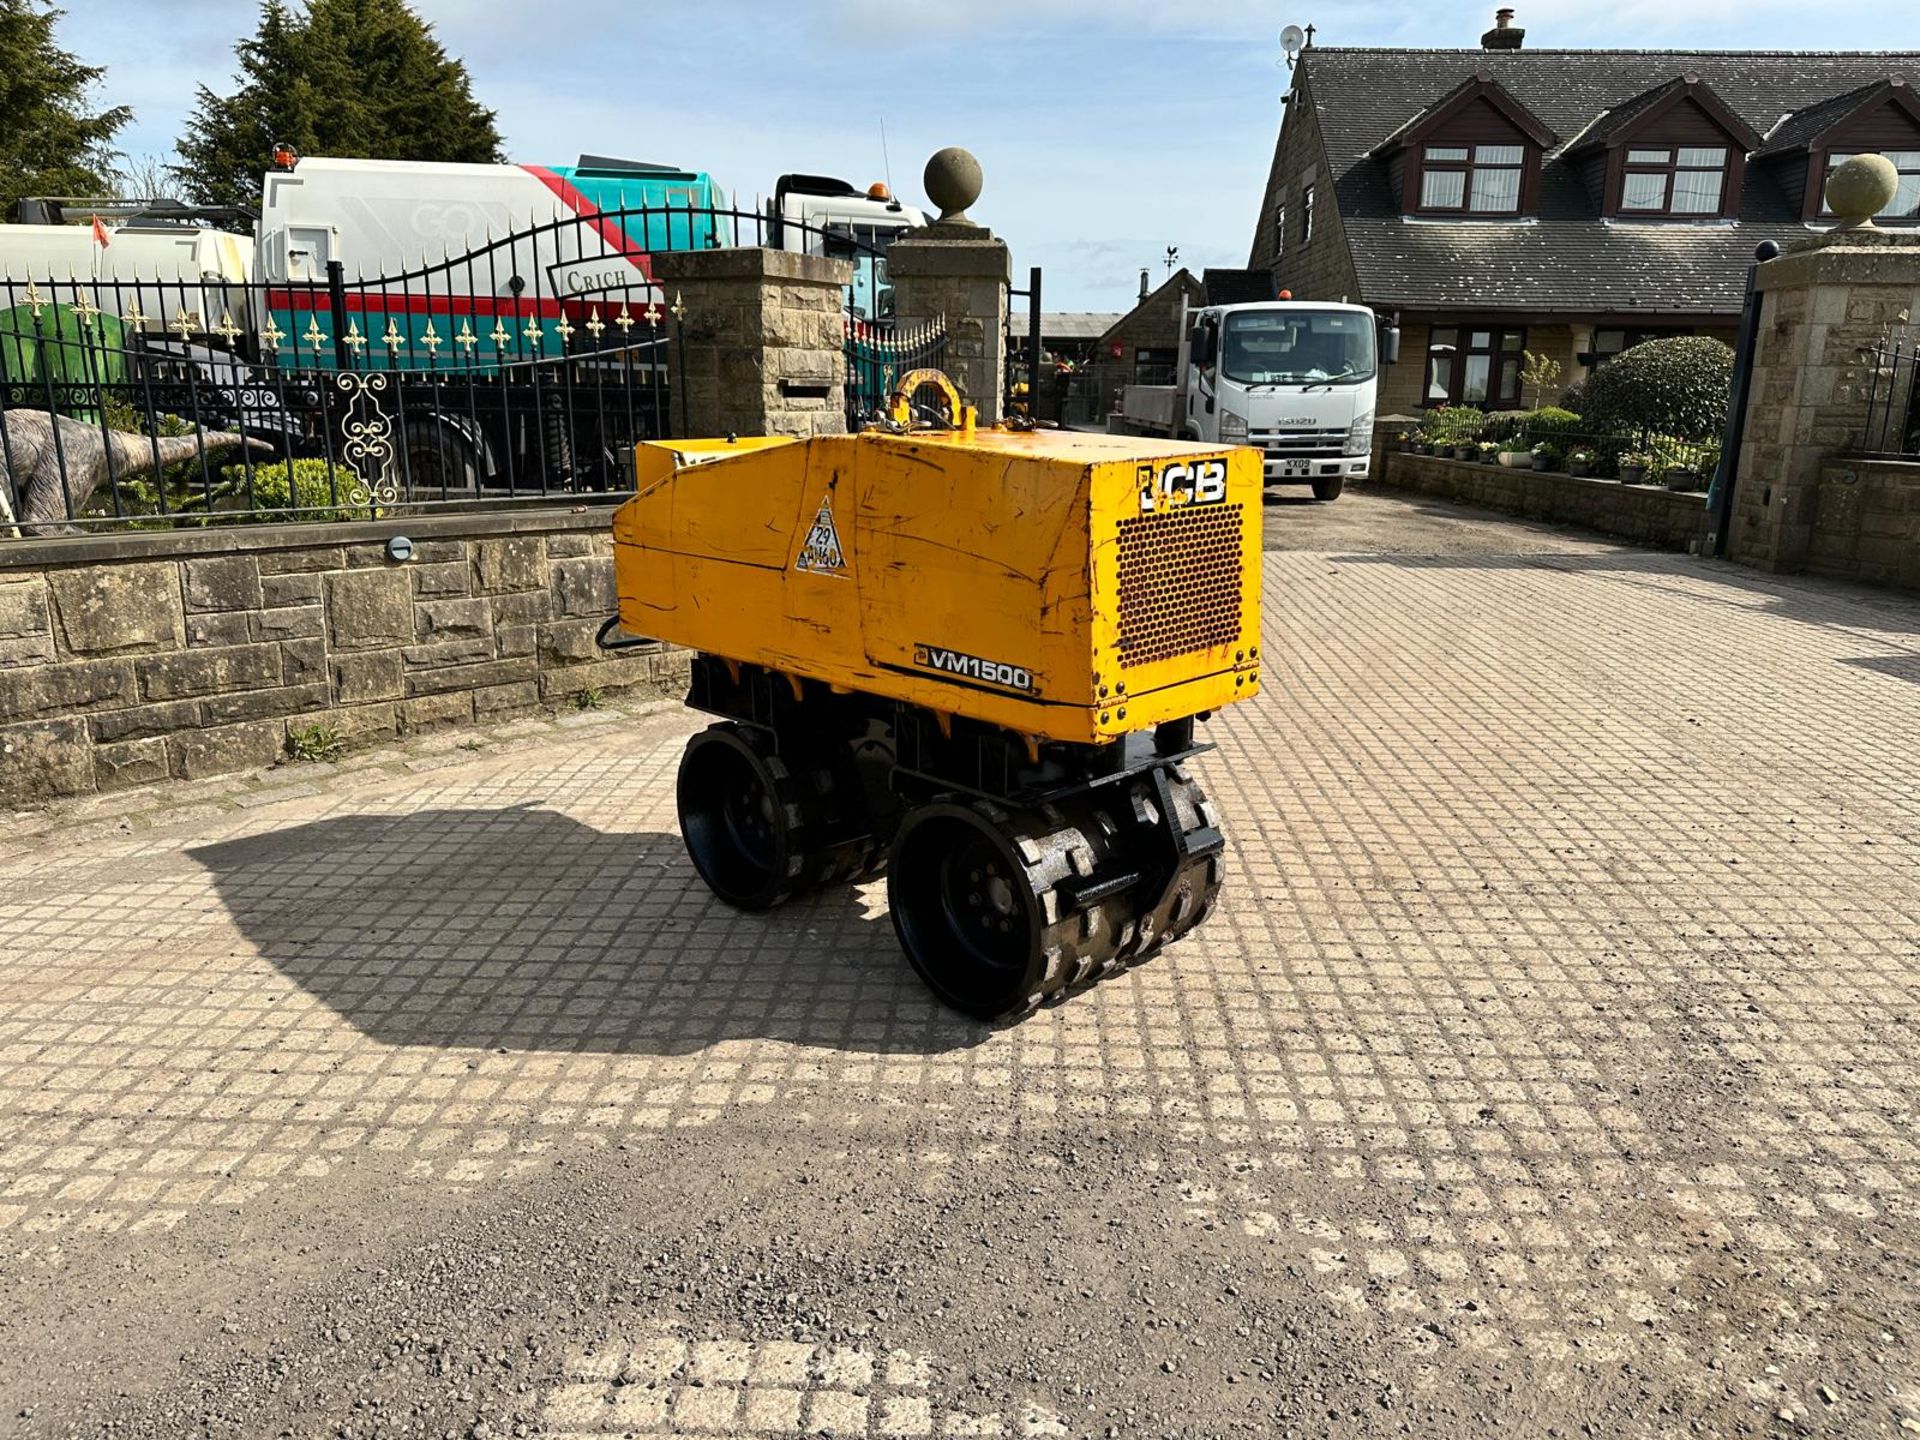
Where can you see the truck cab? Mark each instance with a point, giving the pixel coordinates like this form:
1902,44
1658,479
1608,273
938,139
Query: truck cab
1295,380
819,215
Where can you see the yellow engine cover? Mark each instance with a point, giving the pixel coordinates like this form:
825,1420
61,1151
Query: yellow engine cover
1067,586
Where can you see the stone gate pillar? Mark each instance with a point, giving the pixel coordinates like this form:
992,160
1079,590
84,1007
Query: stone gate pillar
1823,303
957,269
760,345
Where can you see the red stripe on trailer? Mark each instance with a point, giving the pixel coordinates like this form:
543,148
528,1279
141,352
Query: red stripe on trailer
611,234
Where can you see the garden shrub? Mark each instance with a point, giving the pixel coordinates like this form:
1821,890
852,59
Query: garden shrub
1452,425
1503,425
173,488
299,489
1670,452
1529,427
1550,422
1678,386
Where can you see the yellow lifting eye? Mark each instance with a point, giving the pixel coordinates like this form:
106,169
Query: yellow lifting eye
960,416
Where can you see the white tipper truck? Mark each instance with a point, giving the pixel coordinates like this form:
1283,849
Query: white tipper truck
1295,379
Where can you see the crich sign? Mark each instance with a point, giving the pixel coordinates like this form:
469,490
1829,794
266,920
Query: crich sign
599,274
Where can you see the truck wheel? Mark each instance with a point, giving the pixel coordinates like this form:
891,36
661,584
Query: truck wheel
1329,489
447,457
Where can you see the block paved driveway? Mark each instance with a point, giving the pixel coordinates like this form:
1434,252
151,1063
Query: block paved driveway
1550,1065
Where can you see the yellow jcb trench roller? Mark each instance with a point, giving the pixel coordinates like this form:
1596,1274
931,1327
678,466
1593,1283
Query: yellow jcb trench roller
972,658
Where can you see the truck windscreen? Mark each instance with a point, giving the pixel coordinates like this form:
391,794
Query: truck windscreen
1297,347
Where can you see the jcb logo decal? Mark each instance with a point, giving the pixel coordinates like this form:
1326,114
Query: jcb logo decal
1180,484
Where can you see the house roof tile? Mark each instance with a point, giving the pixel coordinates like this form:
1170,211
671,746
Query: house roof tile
1564,258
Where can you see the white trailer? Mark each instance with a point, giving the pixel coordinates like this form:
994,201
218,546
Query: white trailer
166,267
388,217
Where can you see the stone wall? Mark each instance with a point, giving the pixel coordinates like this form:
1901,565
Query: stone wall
132,658
1866,522
959,273
1821,303
1644,514
760,345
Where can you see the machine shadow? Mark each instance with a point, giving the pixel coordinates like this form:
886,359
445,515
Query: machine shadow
523,929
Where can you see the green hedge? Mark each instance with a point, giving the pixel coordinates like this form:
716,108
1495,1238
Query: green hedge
1531,426
1679,386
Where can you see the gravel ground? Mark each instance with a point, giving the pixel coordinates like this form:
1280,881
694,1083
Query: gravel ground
1549,1067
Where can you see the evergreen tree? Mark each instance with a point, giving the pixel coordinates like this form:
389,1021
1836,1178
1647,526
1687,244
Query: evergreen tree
51,142
362,79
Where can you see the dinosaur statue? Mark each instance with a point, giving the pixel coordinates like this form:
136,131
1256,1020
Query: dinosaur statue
31,464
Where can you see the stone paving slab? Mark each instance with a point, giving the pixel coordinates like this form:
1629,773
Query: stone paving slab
1561,1000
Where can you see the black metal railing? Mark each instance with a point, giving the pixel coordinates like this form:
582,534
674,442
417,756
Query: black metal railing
520,369
1637,457
1892,424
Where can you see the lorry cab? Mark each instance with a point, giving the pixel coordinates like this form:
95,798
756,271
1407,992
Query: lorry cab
1296,380
818,215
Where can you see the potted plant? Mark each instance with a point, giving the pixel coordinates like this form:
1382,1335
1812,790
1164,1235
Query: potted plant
1485,451
1682,478
1514,458
1580,462
1634,466
1403,442
1546,457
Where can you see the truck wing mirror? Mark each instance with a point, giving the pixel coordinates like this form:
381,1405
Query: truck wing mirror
1390,346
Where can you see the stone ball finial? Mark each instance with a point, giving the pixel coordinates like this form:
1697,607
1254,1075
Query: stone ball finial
953,182
1860,188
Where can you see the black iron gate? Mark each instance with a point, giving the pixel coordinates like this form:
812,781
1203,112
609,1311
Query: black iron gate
880,354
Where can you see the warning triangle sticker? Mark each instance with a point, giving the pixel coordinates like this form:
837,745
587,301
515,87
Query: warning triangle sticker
821,554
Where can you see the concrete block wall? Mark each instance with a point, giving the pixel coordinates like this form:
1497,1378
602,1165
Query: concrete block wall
128,659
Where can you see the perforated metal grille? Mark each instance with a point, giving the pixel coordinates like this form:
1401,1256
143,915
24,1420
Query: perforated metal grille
1179,583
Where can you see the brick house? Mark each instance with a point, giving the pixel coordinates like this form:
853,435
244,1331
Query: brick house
1568,202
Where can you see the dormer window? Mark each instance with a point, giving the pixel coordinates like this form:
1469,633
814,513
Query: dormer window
1677,180
1905,204
1675,152
1474,153
1472,179
1880,118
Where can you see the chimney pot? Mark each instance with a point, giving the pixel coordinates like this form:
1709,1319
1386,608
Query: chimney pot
1504,35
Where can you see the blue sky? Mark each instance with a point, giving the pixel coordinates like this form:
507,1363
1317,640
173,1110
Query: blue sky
1108,129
